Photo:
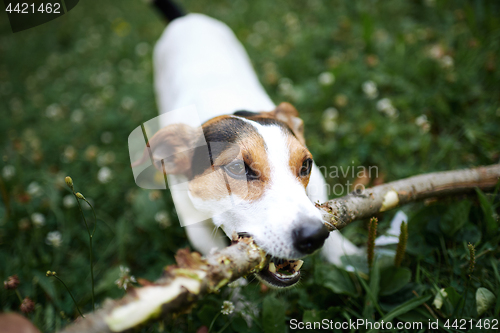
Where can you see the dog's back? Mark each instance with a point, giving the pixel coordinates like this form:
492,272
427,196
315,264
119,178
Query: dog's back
199,61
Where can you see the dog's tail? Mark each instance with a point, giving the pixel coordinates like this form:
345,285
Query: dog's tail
168,9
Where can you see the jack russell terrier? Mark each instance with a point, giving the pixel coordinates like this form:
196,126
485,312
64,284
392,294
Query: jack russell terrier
246,169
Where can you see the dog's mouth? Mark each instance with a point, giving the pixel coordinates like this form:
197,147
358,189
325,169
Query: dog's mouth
281,273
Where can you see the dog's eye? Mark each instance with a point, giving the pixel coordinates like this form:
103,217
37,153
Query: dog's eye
236,170
305,169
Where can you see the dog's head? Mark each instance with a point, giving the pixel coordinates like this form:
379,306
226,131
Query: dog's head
259,165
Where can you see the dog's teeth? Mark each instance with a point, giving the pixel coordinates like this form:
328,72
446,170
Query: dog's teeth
279,261
272,268
298,265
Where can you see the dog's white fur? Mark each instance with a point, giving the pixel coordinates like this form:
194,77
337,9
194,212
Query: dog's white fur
198,61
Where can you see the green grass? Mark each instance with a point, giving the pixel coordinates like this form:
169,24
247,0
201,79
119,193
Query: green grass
73,89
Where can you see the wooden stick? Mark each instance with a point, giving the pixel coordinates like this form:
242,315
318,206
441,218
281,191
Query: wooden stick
193,277
338,213
181,286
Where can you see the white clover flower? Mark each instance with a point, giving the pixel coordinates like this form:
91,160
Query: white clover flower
108,92
262,27
91,152
446,61
128,102
163,219
430,3
142,49
69,154
326,79
292,21
227,307
107,137
77,116
422,122
102,79
385,106
54,239
254,39
285,86
439,299
104,175
38,219
370,89
330,116
125,278
392,113
53,111
340,100
105,158
8,172
422,119
34,189
69,201
436,51
154,195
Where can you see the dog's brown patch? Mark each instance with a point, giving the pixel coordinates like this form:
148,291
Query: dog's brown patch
243,143
298,154
287,117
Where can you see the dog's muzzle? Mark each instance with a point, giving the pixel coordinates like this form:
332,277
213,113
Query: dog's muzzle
308,237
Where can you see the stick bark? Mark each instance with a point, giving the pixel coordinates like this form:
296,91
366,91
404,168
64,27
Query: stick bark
358,205
182,285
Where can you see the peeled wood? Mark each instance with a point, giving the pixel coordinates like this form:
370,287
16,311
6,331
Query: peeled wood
184,284
179,289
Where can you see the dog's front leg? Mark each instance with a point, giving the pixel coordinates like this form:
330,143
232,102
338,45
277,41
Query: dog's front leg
205,238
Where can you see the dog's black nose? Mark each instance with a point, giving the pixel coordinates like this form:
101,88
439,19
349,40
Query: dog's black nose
309,237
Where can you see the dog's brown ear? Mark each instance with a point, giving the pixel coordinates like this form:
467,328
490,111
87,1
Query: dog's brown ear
288,114
171,148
